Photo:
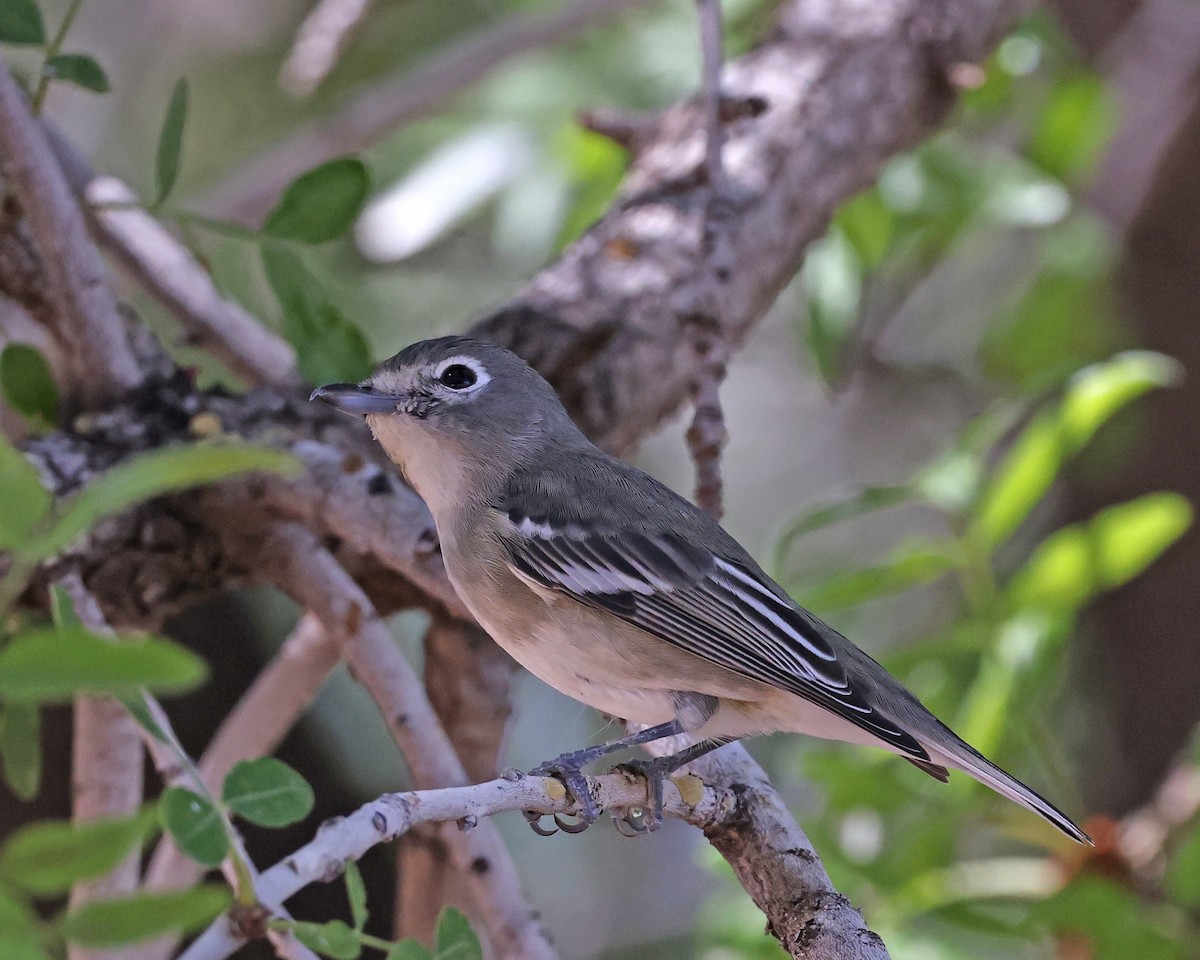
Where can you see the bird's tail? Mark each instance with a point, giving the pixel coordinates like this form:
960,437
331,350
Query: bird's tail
957,753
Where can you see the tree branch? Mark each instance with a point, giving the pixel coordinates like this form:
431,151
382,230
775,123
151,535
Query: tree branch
85,319
319,42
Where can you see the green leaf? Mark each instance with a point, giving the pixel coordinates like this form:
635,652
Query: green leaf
833,283
408,950
267,792
826,514
48,857
1094,395
21,22
322,204
1111,920
27,385
328,347
868,225
20,938
356,893
152,474
112,923
26,501
62,607
455,938
1182,880
1077,562
195,824
333,939
21,748
170,143
79,69
1078,119
922,565
52,665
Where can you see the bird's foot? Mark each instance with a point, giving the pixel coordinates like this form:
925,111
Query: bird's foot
567,769
636,821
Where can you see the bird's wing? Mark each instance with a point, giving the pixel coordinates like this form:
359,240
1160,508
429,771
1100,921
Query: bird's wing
712,606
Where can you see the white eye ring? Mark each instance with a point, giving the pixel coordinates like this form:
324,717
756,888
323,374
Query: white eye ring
482,377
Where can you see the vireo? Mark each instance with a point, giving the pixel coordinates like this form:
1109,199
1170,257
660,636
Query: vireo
617,591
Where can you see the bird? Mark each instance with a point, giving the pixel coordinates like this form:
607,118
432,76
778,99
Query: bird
620,593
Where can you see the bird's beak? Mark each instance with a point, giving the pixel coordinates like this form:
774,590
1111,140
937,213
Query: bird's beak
355,400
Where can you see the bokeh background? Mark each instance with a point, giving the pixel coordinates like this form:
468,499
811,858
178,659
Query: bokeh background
989,366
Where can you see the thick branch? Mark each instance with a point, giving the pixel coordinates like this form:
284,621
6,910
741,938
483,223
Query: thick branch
85,317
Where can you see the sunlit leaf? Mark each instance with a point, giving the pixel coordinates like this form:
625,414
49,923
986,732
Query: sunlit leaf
322,204
1075,563
79,69
267,792
27,384
21,748
54,665
21,22
170,143
1076,123
328,347
195,824
455,938
26,501
48,857
1099,391
153,474
112,923
333,939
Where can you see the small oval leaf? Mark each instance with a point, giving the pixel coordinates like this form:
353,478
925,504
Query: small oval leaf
322,204
21,22
53,665
267,792
111,923
195,824
26,501
27,384
455,938
21,748
170,143
48,857
79,69
333,939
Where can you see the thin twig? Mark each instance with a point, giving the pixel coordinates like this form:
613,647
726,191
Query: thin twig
87,324
382,110
319,42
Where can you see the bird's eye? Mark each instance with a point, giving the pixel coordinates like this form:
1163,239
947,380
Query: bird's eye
458,376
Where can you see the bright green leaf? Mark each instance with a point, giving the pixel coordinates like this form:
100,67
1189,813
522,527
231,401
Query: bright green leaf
328,347
1076,123
170,143
409,950
356,893
48,857
153,474
26,501
112,923
21,748
455,938
79,69
27,384
333,939
867,224
322,204
21,22
1021,480
920,566
53,665
1099,391
267,792
195,824
1077,562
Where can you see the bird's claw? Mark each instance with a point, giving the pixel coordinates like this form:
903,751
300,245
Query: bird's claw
571,777
636,821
